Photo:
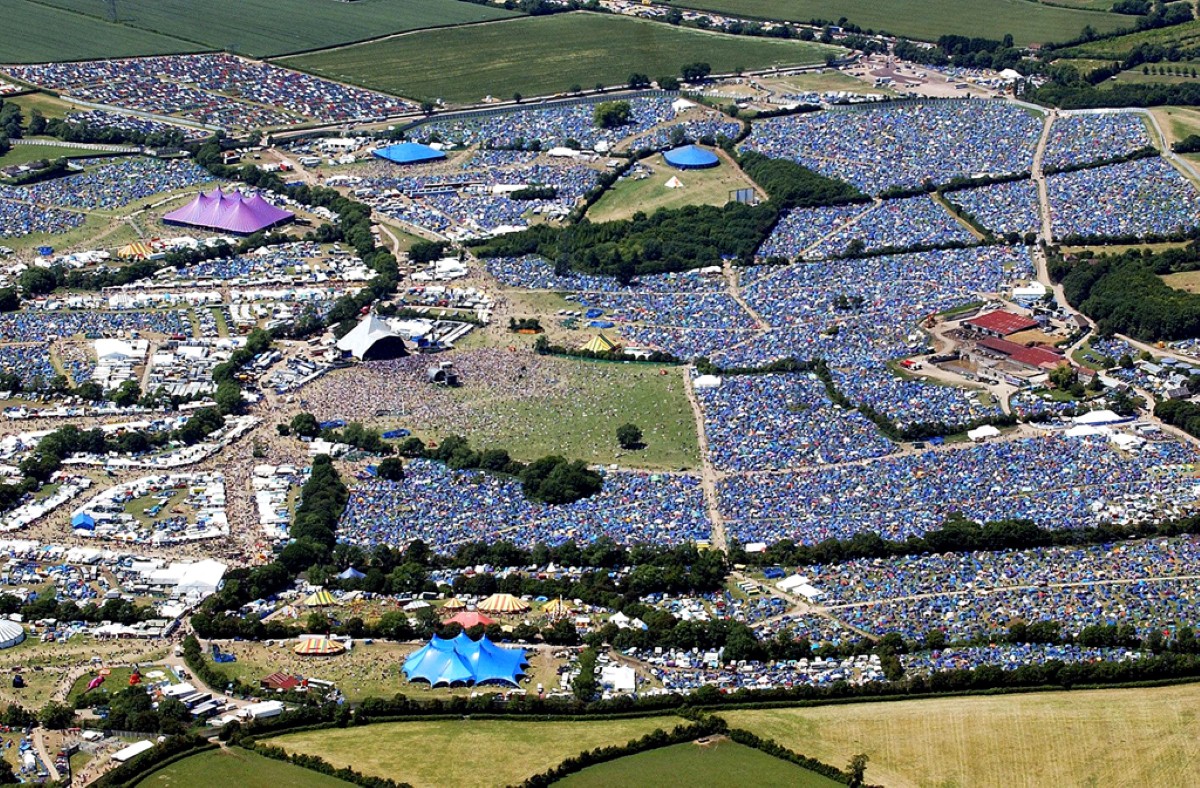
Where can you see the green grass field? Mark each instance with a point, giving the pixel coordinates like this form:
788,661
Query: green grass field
727,763
275,27
1136,76
543,55
1082,738
236,767
700,187
23,154
35,33
466,752
927,19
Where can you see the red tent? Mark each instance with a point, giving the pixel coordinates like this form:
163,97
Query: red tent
468,620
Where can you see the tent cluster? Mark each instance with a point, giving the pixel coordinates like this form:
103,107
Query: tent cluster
461,660
232,213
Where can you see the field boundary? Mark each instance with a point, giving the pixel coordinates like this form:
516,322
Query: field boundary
386,36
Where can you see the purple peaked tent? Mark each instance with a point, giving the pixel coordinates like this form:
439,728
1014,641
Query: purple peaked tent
231,213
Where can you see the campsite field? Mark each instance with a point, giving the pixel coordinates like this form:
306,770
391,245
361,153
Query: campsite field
542,55
23,154
726,763
236,766
1096,737
366,671
274,27
928,19
465,752
700,187
48,34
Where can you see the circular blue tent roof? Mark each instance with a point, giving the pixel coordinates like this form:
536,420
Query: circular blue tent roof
409,153
689,157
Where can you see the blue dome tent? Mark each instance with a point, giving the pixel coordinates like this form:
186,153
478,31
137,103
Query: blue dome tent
689,157
461,660
409,153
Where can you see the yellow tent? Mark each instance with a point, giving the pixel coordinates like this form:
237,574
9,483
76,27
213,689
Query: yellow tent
601,344
503,603
454,604
321,598
135,251
557,608
318,646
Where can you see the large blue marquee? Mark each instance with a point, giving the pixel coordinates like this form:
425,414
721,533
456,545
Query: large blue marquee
689,157
461,660
409,153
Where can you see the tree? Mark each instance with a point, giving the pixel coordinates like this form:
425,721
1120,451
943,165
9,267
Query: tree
638,81
611,114
9,300
857,770
37,281
57,716
695,72
305,425
629,436
228,397
391,469
127,394
668,83
1064,376
585,686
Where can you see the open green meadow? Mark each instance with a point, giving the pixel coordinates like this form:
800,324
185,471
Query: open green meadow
465,752
236,767
717,766
543,55
274,27
1142,736
23,154
1028,22
700,187
36,33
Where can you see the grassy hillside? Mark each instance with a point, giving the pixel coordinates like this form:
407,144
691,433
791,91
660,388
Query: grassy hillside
34,33
275,27
541,55
1028,22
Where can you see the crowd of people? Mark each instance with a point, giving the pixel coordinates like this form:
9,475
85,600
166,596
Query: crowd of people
219,90
1055,481
904,144
1081,138
1137,198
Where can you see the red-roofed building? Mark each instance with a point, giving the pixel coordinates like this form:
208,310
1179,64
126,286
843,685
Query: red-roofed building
280,681
1000,323
1038,357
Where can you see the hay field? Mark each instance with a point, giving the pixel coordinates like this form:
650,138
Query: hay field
236,766
542,55
275,27
725,764
465,752
1095,737
36,33
928,19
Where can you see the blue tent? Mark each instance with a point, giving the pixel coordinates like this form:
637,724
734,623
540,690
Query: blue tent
351,574
83,520
461,660
409,153
689,157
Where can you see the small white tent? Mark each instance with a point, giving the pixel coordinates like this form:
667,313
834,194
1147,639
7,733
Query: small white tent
674,183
